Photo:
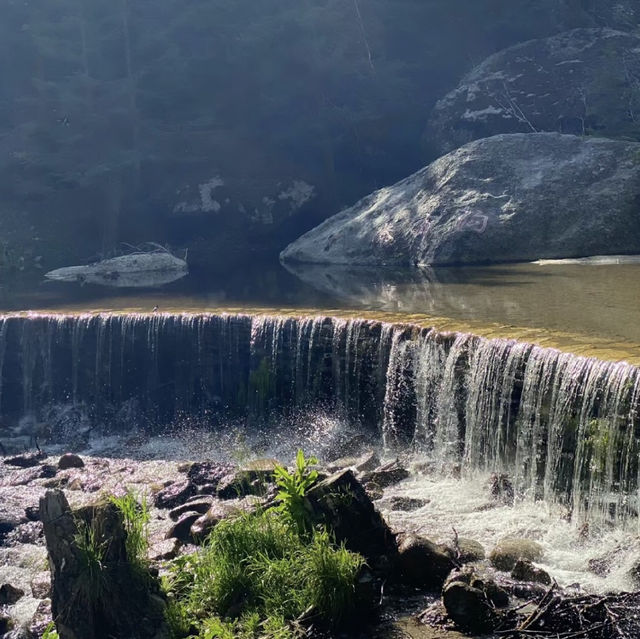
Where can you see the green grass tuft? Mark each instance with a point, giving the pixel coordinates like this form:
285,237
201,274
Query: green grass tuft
256,576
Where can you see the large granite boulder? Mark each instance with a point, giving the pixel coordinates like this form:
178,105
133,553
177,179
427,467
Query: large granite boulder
583,82
515,197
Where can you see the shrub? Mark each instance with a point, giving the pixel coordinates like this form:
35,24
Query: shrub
256,576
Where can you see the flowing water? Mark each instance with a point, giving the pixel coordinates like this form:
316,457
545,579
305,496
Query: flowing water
461,381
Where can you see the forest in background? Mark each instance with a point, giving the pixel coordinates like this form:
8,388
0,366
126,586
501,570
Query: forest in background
228,127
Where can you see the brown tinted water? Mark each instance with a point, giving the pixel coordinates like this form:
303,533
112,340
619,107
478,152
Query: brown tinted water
588,308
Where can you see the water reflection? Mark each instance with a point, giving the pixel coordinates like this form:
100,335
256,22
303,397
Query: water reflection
591,298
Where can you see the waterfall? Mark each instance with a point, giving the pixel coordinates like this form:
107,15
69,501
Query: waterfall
566,428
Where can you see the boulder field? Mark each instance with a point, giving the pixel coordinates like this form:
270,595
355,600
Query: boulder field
507,198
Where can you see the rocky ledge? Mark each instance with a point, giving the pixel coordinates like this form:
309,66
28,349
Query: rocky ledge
46,503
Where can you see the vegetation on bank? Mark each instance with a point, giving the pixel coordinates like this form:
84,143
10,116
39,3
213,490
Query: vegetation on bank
264,574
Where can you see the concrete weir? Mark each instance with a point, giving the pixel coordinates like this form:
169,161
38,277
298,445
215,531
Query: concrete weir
566,427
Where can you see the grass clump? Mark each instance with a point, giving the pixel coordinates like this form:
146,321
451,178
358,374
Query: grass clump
135,516
259,575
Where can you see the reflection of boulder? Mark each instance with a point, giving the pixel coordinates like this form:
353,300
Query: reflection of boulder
585,81
507,198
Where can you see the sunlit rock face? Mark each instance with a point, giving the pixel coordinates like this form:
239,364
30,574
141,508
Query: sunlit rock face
582,82
507,198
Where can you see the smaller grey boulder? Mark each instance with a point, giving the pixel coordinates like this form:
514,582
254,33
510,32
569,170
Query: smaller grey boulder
70,460
510,549
469,550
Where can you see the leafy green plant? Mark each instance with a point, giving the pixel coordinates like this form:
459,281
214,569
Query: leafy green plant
50,632
292,488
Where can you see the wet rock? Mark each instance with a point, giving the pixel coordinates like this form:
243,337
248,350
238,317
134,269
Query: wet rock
510,549
29,532
469,550
200,505
121,606
407,504
9,594
207,489
70,460
245,482
25,477
422,563
9,520
32,513
40,620
41,585
524,570
386,476
165,549
341,503
174,495
28,460
374,491
634,573
502,488
207,473
469,607
366,462
5,623
182,528
515,197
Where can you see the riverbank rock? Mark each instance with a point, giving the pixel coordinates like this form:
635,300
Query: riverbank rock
581,82
507,198
422,563
511,549
341,503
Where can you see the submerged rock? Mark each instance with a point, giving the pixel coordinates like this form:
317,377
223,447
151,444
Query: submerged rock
407,504
580,82
507,198
511,549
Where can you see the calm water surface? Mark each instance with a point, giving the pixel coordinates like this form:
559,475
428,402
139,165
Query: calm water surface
590,308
